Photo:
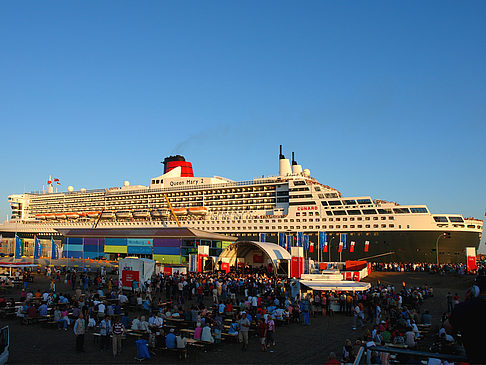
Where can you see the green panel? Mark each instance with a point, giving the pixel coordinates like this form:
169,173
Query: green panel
167,259
115,249
225,244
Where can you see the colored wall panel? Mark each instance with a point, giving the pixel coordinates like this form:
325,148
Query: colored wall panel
92,255
91,248
167,242
70,247
75,240
167,259
115,241
139,242
90,241
73,254
167,250
142,250
115,249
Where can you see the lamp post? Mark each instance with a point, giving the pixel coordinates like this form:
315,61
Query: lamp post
437,246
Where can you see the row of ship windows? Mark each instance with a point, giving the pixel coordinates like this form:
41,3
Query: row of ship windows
345,226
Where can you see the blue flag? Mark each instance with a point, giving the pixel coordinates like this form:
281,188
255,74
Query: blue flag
281,239
306,242
322,240
37,248
300,239
55,251
289,242
263,237
344,236
18,247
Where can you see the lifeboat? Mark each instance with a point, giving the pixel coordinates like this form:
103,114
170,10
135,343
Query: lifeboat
180,211
40,216
50,216
198,210
107,215
92,214
141,214
157,213
82,214
124,214
72,215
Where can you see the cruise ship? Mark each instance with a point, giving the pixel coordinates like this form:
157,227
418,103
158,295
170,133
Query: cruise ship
290,203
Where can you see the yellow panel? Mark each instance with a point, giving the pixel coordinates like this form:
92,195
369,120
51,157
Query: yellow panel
167,259
116,249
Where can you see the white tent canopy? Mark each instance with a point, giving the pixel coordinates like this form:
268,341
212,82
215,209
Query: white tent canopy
247,250
336,285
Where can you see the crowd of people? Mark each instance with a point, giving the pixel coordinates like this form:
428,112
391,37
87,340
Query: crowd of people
458,269
212,306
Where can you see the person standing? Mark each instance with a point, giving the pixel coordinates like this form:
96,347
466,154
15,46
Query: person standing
105,330
270,335
244,325
79,331
118,331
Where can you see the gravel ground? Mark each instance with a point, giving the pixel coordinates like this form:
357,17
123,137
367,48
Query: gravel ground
296,344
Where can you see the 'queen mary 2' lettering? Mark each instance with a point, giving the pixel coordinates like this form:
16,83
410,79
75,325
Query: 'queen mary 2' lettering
307,208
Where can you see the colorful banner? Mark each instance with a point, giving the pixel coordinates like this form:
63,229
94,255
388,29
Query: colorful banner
300,239
311,248
37,248
263,237
18,247
340,249
289,242
322,240
281,239
344,236
351,247
54,251
367,244
306,242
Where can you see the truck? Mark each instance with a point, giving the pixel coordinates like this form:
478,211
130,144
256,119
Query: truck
132,269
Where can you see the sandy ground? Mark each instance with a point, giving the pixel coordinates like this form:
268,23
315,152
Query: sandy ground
296,344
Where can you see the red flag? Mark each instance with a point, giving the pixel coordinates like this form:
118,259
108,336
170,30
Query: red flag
351,248
340,247
311,248
49,181
367,244
325,247
56,179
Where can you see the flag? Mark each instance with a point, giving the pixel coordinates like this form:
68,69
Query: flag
281,239
322,238
263,237
300,239
18,247
340,249
367,244
37,248
351,247
56,179
311,248
54,251
306,242
289,242
344,236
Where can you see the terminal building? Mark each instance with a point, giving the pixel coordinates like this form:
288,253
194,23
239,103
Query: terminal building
164,245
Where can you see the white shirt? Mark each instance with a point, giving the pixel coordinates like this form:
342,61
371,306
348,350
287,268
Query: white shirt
101,308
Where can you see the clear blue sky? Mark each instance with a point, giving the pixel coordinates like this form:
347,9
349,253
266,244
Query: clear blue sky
377,98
